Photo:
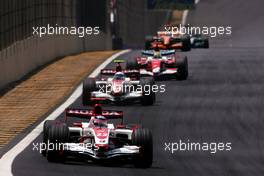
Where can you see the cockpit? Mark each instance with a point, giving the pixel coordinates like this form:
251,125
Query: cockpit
157,54
99,121
119,76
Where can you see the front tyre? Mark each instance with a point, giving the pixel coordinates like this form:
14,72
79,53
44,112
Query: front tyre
57,136
142,138
46,127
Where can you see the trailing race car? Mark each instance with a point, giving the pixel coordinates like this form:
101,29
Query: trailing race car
159,64
168,40
95,139
123,86
199,41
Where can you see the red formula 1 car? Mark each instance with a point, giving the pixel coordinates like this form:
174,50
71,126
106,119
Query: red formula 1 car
95,139
168,40
160,64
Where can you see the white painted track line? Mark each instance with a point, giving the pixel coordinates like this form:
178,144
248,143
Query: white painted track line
8,158
185,14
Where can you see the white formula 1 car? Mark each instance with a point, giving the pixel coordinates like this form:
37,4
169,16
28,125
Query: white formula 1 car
123,86
94,139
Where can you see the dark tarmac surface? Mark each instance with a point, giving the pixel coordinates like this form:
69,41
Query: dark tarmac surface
222,101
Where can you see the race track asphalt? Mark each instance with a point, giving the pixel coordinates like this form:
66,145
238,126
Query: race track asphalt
222,101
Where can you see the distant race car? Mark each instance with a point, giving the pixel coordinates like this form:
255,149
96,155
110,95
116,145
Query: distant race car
199,41
168,40
95,139
159,64
122,86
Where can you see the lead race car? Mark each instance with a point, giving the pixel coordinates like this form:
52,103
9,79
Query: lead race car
168,40
123,86
95,139
160,64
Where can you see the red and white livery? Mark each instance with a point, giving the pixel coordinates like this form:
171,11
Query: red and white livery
122,86
95,139
160,64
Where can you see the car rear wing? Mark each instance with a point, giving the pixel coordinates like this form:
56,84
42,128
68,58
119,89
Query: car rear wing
162,52
147,52
88,113
129,73
118,61
112,71
167,52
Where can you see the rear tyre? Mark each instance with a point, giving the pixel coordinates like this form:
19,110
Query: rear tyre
143,138
148,97
162,67
57,136
132,64
182,66
186,43
46,127
89,85
148,41
206,43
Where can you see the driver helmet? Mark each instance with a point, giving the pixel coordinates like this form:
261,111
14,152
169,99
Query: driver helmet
119,76
100,121
157,54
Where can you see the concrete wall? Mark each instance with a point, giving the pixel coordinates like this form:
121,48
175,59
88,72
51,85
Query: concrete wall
134,22
23,57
